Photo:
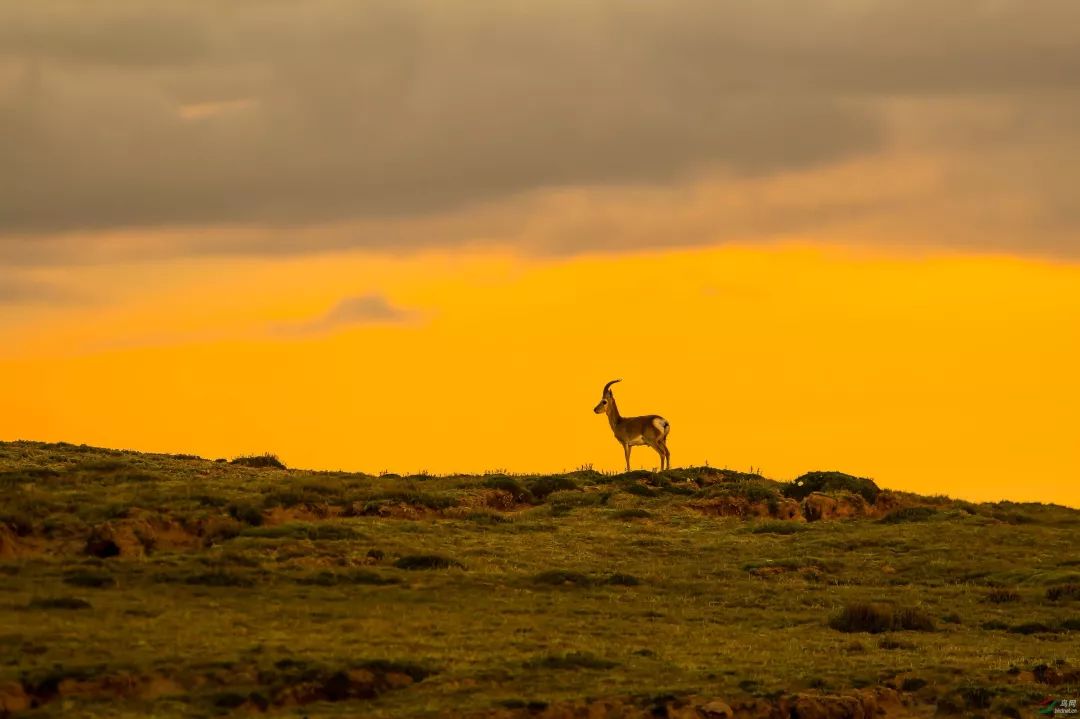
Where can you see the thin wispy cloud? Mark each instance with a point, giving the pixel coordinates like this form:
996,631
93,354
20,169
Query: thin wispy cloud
16,290
370,309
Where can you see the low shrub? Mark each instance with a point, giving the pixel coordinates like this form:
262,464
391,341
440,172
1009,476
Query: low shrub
246,513
259,461
511,485
877,618
1031,628
577,498
640,490
801,487
541,487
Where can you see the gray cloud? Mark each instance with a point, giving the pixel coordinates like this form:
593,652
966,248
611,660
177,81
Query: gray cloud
19,290
362,310
119,114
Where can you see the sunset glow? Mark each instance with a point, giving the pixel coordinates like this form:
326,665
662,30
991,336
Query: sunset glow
936,374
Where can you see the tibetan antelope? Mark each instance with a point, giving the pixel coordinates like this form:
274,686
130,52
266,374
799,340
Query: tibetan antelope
652,429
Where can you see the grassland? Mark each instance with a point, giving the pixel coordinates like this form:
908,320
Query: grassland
150,585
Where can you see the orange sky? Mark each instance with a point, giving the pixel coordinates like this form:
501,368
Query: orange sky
937,373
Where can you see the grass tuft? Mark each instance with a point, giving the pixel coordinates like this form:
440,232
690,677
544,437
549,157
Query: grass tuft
909,514
570,660
314,531
623,580
415,562
89,578
560,577
632,514
1063,591
415,499
1002,596
778,527
216,577
359,576
484,517
59,603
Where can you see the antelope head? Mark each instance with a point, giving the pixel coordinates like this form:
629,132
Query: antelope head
605,398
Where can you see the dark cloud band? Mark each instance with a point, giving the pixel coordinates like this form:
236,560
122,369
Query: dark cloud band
117,115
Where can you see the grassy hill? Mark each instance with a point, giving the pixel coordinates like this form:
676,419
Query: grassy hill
150,585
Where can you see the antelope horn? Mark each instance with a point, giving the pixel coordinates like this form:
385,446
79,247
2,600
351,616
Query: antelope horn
608,385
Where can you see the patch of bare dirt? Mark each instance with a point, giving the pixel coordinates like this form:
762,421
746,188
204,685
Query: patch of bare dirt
888,501
788,509
287,685
1057,675
499,499
876,703
300,513
13,698
735,505
817,506
812,572
115,686
841,505
13,546
139,533
731,506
